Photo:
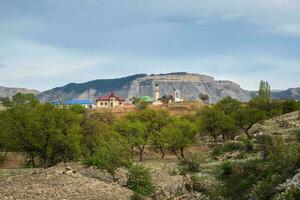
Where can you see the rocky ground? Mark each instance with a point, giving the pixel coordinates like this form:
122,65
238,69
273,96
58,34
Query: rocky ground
60,182
73,181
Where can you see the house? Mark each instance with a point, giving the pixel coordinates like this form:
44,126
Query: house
83,102
110,101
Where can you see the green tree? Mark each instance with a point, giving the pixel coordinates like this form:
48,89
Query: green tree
166,99
41,131
246,117
204,98
20,99
228,105
112,153
96,128
263,100
134,132
140,180
215,123
77,109
177,135
147,123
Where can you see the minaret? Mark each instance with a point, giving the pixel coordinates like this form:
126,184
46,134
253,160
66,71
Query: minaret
156,92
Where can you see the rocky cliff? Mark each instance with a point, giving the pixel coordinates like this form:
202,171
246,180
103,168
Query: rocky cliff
189,86
292,93
9,92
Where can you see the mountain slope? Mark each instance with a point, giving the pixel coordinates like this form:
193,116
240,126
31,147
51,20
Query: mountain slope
189,85
9,92
90,90
292,93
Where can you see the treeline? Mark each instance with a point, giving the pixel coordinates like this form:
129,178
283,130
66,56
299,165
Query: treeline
49,135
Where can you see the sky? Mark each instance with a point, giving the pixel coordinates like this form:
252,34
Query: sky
49,43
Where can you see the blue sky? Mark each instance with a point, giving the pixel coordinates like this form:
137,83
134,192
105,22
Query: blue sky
49,43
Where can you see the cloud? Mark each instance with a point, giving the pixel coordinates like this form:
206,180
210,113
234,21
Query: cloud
289,29
46,43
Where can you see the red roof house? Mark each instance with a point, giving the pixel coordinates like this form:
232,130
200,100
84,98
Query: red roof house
109,101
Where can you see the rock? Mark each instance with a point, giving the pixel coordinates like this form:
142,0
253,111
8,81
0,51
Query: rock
50,184
167,186
121,176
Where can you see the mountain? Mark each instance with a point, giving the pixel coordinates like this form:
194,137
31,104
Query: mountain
292,93
9,92
189,86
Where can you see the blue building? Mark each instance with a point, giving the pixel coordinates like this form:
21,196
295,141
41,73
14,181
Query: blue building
83,102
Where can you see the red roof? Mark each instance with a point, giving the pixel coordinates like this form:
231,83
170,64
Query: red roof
107,97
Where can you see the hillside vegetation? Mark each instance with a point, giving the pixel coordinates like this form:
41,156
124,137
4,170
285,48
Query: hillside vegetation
229,150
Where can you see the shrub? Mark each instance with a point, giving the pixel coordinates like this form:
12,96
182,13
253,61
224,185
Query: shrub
110,155
292,193
239,177
136,196
248,145
232,146
192,164
217,150
297,135
140,180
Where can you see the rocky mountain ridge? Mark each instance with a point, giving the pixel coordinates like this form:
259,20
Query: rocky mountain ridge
189,86
9,92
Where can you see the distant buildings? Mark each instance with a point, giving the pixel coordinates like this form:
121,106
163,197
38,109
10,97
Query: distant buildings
83,102
110,101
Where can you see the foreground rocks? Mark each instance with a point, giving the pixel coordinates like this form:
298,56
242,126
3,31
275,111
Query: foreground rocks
58,183
73,181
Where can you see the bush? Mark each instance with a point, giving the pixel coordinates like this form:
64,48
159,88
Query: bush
239,177
217,150
292,193
297,135
192,164
136,196
140,181
110,155
232,146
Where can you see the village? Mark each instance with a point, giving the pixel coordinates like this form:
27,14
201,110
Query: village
113,101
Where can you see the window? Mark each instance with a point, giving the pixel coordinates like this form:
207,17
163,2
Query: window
106,103
120,103
101,104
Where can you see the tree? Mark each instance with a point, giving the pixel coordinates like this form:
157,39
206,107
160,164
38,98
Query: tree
140,103
41,131
263,100
134,132
112,153
77,109
96,128
177,135
20,99
215,123
143,127
140,181
228,105
246,117
204,98
166,99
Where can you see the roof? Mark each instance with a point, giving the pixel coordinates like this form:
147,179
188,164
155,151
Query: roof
73,102
146,99
107,97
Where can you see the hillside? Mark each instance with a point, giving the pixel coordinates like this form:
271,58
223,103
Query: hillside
292,93
189,85
9,92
